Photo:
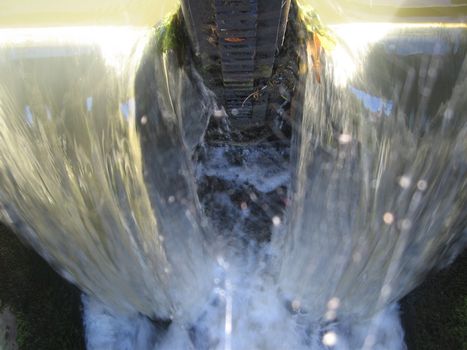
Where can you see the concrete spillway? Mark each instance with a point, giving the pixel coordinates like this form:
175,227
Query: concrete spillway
103,154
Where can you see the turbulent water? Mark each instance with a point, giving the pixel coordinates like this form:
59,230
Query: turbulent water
102,180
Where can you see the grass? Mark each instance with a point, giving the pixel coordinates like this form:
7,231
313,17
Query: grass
435,314
47,308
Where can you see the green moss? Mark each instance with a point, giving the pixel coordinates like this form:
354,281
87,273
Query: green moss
435,314
461,328
171,35
47,308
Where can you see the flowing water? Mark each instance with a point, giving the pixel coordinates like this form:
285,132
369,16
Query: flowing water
102,180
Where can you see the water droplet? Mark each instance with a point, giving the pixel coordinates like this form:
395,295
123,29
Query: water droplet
296,305
221,261
405,182
334,303
235,111
330,339
405,224
276,221
244,206
422,185
330,315
219,113
171,199
144,120
388,218
345,138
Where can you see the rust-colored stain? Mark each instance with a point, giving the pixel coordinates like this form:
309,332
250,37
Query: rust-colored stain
314,49
235,40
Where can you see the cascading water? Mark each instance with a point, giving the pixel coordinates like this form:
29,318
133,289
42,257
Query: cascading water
101,181
379,195
73,183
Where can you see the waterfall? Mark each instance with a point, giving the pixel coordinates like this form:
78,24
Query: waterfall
101,180
73,184
379,187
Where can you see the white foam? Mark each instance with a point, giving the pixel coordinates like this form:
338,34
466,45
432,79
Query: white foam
259,320
262,168
106,329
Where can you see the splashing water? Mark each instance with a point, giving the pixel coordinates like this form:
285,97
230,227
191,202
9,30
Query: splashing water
99,179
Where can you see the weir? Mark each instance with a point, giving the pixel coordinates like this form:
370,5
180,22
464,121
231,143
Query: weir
295,222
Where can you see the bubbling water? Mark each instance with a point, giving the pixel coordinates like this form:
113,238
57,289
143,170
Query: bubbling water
100,180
